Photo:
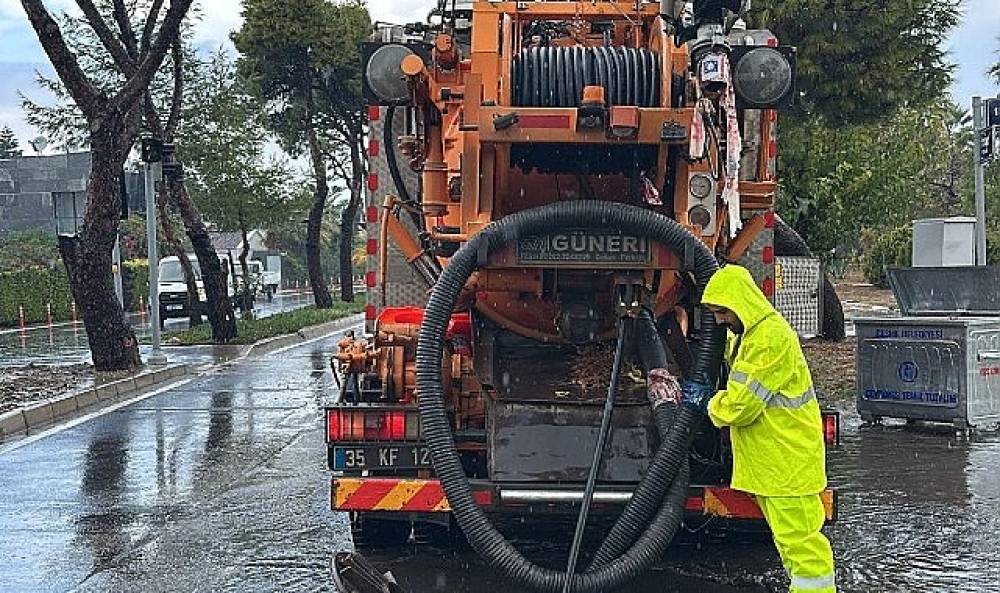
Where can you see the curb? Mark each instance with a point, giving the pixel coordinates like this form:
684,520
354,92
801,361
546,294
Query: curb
307,333
46,412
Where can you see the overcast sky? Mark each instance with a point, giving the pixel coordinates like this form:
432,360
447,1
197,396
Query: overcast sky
973,47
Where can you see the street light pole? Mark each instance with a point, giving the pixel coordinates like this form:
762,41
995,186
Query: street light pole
977,125
153,171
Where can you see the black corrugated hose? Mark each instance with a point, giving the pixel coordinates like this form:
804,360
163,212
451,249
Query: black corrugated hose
482,535
646,498
555,76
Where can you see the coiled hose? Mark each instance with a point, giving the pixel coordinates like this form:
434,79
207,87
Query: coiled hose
555,76
480,532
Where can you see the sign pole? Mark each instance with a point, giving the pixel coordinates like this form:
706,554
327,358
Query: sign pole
116,261
153,171
977,124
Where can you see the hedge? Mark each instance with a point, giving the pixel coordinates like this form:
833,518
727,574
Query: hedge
279,324
33,289
135,283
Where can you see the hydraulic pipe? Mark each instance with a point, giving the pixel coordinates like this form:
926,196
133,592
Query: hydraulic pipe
595,465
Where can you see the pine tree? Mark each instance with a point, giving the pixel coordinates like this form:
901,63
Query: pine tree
8,144
301,60
860,61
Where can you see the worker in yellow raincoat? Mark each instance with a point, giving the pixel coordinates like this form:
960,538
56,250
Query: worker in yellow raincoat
774,419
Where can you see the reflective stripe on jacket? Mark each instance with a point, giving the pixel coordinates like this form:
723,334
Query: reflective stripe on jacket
768,403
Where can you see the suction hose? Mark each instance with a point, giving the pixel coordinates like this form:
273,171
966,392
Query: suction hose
645,500
482,535
668,514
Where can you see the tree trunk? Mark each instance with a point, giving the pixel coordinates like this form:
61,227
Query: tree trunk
220,308
87,257
349,217
348,223
247,297
177,249
321,294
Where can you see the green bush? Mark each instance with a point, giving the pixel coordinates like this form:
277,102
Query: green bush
21,250
253,330
884,249
135,283
992,245
34,289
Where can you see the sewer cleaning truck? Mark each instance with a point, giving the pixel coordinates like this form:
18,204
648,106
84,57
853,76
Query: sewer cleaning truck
551,186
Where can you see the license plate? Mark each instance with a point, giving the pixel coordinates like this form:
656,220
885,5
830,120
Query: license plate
583,247
174,307
381,456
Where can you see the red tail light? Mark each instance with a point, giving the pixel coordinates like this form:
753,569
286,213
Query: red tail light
831,428
333,427
372,425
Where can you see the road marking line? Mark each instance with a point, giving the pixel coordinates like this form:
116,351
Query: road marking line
316,339
98,413
95,414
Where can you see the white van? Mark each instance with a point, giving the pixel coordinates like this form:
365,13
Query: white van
173,288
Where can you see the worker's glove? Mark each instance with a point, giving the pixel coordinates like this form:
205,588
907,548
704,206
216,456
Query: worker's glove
695,394
662,388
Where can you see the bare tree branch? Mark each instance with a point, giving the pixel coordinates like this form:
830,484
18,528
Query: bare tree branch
340,167
151,62
152,117
177,100
125,28
148,28
106,35
83,91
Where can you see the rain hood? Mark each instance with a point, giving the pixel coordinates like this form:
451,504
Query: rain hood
734,288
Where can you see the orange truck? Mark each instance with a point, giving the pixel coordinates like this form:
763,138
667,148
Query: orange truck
551,185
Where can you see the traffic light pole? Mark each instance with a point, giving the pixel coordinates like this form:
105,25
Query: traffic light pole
977,125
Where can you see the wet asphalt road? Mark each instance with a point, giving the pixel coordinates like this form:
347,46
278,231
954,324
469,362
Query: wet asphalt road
219,484
66,343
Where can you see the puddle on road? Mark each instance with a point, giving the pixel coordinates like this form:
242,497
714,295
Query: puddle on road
425,569
919,513
919,510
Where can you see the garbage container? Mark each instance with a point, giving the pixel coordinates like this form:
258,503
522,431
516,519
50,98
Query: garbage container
940,360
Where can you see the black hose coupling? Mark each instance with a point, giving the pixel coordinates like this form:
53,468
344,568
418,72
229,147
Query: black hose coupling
502,122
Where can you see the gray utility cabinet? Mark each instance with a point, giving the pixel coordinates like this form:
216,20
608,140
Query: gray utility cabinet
936,362
944,242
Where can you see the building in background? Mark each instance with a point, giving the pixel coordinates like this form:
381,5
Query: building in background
48,193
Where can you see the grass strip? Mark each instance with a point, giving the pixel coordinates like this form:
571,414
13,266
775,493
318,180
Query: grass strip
279,324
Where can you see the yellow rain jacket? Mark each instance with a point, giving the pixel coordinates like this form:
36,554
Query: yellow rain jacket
768,403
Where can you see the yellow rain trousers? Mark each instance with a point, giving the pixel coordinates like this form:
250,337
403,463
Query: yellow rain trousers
774,419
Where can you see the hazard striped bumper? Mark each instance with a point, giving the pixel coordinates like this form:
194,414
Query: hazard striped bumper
427,496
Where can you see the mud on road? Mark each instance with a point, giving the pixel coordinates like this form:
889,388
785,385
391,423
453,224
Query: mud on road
28,383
